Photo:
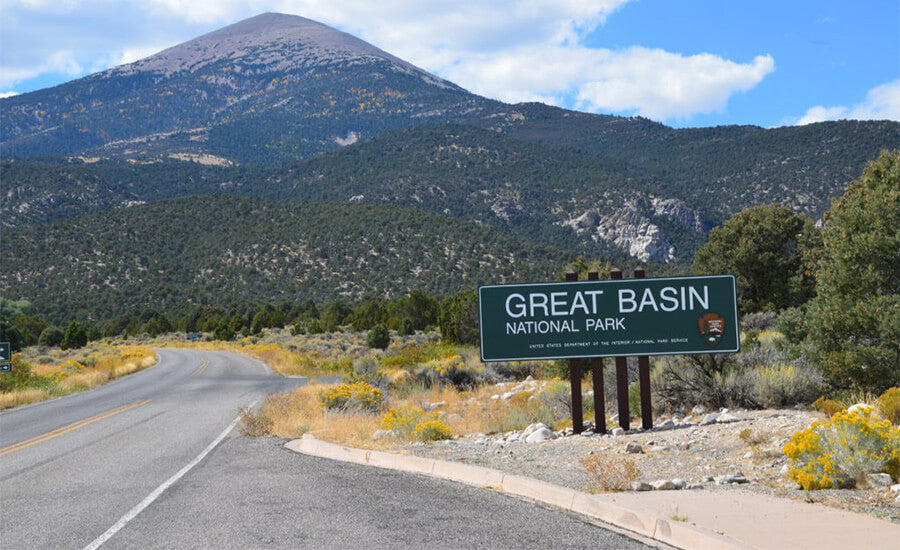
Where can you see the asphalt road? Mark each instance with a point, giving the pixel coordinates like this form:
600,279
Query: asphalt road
138,464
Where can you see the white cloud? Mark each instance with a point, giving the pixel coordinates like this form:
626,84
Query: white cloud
7,94
662,85
881,103
652,83
62,62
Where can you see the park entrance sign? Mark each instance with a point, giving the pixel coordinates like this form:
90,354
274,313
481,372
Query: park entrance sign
612,318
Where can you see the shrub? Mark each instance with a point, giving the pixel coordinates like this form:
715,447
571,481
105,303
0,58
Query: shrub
758,321
609,473
752,438
783,384
253,423
840,451
379,337
557,396
402,421
888,405
451,370
828,406
345,397
711,380
50,337
432,430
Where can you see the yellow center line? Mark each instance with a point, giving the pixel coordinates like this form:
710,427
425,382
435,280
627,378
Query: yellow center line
73,426
202,367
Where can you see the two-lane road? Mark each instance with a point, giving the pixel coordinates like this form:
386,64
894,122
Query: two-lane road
72,467
150,461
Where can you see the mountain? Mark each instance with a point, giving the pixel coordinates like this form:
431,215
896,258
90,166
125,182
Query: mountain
268,88
285,109
217,249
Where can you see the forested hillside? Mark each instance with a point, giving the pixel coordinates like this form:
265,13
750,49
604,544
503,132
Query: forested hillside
214,250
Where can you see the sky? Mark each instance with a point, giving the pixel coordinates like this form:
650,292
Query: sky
686,63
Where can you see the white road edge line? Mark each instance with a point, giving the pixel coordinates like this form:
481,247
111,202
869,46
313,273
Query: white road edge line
159,490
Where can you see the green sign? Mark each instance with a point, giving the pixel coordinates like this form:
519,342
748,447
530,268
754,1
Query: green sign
5,357
675,315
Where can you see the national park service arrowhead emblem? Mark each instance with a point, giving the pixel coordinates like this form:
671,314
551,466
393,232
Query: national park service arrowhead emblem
712,328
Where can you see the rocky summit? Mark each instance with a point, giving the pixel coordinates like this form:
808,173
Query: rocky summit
267,88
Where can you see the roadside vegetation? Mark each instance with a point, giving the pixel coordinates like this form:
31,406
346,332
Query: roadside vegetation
42,372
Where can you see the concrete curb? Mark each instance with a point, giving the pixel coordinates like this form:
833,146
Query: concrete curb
645,524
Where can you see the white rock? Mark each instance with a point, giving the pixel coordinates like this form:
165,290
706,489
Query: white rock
530,378
659,448
785,469
731,478
639,486
698,410
687,419
532,428
542,434
726,417
667,425
617,431
709,419
513,438
634,448
663,485
495,396
897,500
895,488
878,480
381,433
861,407
691,486
679,483
748,455
508,394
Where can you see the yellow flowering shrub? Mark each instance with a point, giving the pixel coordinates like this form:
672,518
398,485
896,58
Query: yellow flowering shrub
839,451
403,420
408,422
432,430
344,397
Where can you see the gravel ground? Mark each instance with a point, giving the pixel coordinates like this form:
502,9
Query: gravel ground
686,450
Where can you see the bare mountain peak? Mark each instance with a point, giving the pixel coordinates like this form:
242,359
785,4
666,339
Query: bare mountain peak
270,42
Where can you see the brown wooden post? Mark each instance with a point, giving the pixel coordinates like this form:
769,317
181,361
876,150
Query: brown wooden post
575,381
644,377
597,381
622,377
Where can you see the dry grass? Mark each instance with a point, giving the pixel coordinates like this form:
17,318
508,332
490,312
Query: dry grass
22,397
609,472
88,379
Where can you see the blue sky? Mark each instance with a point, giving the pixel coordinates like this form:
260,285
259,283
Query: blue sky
681,62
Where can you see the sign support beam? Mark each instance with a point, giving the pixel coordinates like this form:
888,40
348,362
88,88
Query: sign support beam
597,380
644,377
575,381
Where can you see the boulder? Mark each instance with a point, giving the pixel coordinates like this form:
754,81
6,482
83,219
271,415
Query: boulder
639,486
663,485
709,419
542,434
634,448
878,480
